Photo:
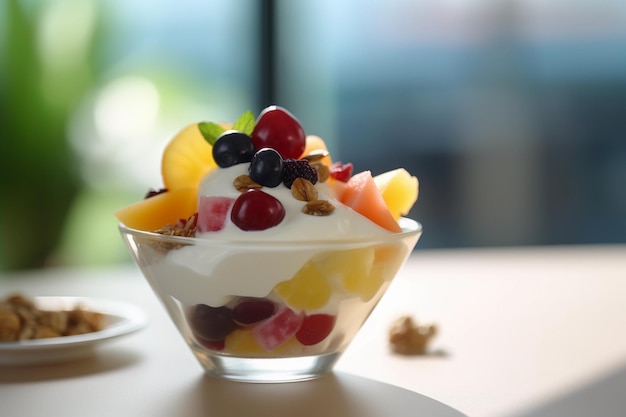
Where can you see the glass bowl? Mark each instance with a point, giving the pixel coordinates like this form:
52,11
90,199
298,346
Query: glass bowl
269,311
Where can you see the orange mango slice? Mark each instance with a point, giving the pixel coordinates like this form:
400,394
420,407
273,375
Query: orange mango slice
160,210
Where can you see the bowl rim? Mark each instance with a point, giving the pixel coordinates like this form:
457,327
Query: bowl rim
409,227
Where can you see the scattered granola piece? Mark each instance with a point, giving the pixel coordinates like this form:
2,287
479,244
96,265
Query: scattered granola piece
408,338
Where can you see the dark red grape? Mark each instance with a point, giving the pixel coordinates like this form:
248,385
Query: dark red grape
212,323
277,128
252,310
256,210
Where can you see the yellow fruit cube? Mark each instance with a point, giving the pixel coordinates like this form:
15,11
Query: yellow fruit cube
399,190
307,290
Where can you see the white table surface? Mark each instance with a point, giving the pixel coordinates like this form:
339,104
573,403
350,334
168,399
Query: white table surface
522,332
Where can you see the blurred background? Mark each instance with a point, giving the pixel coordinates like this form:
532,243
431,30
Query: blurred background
512,113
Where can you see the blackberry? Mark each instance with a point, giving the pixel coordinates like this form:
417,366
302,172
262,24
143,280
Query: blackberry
298,168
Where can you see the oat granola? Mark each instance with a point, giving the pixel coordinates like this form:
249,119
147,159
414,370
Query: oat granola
21,319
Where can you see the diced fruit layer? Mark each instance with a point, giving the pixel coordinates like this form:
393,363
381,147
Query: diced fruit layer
160,210
212,323
251,326
276,330
250,310
257,327
315,328
399,191
351,271
362,195
242,343
354,267
186,159
307,290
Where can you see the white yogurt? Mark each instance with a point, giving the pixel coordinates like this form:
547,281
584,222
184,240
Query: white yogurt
217,275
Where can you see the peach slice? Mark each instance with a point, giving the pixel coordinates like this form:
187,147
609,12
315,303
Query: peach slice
160,210
186,159
362,195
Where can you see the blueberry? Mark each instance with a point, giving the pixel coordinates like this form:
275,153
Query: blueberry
232,148
266,167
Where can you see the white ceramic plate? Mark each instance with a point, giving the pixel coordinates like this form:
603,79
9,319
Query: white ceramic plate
122,319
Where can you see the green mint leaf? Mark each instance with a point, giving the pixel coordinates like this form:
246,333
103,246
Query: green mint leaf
245,123
211,131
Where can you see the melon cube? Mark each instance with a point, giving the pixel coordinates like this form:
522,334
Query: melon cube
277,329
399,191
213,212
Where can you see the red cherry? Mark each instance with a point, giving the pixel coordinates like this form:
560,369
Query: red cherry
212,212
315,328
278,129
341,172
256,210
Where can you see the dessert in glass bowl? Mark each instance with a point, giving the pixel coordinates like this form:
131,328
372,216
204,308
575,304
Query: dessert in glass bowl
267,254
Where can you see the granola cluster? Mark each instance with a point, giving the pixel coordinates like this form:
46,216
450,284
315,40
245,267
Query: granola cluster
409,338
21,319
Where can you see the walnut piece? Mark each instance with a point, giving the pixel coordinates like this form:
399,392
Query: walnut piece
408,338
318,208
323,172
244,183
316,155
303,190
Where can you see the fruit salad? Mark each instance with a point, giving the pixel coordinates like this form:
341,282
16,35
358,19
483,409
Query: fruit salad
260,245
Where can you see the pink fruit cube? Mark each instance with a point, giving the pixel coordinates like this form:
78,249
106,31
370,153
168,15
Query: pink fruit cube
213,212
277,329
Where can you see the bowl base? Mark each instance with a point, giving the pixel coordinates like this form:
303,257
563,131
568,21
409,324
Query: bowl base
267,370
